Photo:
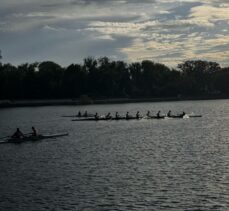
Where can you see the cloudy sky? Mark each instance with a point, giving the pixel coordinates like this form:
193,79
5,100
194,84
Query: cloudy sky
66,31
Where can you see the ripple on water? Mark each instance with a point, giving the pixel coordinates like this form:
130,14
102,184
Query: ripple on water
180,164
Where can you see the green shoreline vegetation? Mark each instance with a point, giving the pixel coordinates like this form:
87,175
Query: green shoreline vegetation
105,81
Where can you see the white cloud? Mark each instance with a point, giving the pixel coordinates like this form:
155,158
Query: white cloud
167,30
209,14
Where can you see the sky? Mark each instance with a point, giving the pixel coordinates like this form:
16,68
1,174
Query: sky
67,31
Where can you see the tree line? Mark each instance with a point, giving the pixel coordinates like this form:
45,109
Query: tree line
104,78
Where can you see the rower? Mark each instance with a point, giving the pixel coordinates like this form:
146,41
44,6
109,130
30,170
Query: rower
79,114
137,115
158,114
127,115
85,114
18,134
169,113
116,115
96,116
34,133
108,116
183,114
148,114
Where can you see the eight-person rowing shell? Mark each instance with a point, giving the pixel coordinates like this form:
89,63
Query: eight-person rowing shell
137,116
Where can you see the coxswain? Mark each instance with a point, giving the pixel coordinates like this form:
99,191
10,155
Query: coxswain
34,131
148,114
79,114
137,115
158,114
18,134
169,114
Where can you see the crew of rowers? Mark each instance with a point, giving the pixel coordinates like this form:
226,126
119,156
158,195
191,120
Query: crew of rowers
19,134
128,116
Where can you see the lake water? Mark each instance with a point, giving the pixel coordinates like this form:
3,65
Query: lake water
172,164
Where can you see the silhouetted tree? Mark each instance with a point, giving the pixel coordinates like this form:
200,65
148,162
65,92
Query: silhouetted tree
221,81
74,81
50,77
197,75
103,78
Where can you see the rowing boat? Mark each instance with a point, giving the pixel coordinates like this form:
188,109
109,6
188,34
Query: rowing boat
118,118
102,118
34,138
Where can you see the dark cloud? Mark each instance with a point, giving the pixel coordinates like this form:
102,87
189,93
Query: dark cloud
64,48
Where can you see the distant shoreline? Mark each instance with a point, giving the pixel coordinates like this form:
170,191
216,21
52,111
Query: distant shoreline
59,102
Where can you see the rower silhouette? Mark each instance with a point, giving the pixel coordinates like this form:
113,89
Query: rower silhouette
158,114
108,116
85,114
137,115
183,114
117,115
127,115
18,134
169,113
34,131
96,116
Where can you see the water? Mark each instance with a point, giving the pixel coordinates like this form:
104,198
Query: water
175,164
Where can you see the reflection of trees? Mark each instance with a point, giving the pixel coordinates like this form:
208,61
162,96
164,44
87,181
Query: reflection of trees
105,78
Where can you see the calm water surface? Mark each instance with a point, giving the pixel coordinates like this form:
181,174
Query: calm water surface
173,164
